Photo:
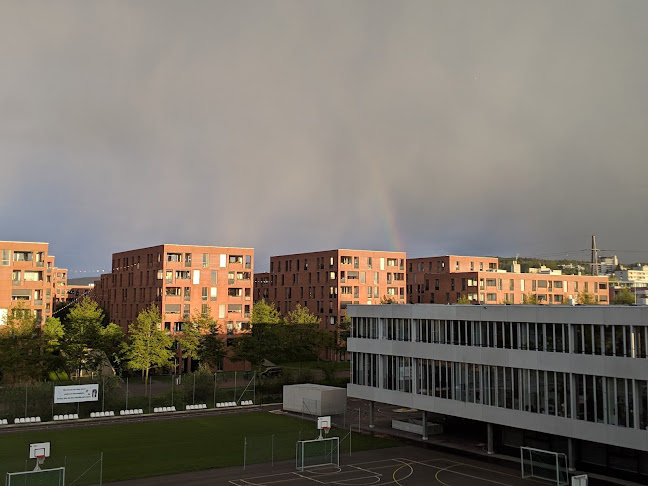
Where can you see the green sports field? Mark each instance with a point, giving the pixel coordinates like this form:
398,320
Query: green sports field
133,450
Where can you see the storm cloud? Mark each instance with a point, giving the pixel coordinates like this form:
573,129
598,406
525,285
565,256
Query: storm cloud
471,127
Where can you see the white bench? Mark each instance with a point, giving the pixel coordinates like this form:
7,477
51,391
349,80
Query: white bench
108,413
3,422
198,406
26,420
66,416
132,411
164,409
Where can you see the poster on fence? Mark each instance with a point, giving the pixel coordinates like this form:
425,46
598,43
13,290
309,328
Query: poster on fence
76,393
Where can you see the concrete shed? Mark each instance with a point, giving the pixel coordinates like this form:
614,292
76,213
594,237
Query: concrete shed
314,399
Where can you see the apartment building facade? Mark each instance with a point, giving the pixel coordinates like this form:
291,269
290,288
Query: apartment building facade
26,275
449,278
562,378
182,280
326,282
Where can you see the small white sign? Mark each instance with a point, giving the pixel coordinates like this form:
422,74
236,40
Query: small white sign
76,393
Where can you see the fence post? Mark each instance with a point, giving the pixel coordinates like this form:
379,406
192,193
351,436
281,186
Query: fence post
244,451
172,380
150,391
235,386
126,393
103,394
272,450
101,470
193,399
25,400
214,390
350,439
358,419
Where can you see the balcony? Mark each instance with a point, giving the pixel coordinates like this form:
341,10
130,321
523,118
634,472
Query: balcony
16,282
38,302
40,264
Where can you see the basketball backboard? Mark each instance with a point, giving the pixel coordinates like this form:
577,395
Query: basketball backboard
324,422
39,449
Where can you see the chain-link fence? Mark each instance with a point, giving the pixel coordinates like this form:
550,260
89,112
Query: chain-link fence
269,449
115,394
79,470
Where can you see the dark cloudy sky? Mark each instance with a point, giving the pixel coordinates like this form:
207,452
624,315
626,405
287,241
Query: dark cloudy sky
471,127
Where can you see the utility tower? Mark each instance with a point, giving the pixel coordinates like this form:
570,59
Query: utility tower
594,261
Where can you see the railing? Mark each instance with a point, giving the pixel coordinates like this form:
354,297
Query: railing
40,264
38,301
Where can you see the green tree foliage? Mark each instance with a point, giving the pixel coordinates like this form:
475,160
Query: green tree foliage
529,299
624,297
212,349
585,298
264,313
263,342
111,344
463,300
148,346
20,346
301,315
82,335
52,336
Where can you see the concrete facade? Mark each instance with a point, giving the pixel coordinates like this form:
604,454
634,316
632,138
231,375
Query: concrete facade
446,279
566,374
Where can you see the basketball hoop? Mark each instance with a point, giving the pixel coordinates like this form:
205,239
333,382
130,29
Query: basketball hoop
39,462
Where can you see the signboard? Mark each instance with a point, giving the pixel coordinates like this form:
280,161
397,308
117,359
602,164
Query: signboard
76,393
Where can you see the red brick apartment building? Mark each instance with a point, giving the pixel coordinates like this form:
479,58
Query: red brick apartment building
327,281
181,280
446,279
26,275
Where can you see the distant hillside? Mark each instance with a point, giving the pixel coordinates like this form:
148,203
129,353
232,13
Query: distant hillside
530,262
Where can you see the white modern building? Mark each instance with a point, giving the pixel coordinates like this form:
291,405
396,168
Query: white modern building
571,379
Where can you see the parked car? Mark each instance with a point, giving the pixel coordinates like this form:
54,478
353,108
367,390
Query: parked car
272,372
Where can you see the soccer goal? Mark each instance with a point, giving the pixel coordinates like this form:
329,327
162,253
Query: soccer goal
39,477
318,452
547,465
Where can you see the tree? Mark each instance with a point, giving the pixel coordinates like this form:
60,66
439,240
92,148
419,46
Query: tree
82,335
585,298
20,354
111,344
529,299
263,313
387,299
52,337
301,315
463,300
212,349
149,346
624,297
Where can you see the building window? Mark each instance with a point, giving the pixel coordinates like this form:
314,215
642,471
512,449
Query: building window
205,260
174,257
4,260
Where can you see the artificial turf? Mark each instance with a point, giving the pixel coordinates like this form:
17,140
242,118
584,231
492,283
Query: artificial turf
142,449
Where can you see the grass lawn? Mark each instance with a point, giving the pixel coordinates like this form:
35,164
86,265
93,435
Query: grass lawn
133,450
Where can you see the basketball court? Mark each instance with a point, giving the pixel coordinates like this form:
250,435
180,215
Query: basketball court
418,467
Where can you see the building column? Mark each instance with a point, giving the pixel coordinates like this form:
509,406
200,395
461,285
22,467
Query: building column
571,457
425,430
371,414
489,433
